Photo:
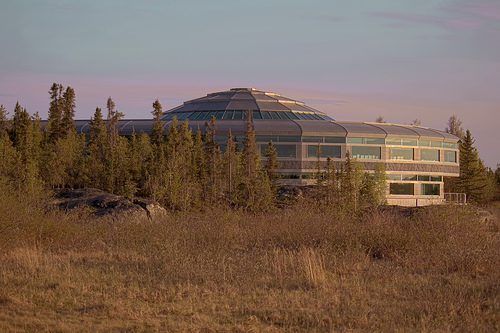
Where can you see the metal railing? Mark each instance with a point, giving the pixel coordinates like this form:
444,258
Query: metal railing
456,198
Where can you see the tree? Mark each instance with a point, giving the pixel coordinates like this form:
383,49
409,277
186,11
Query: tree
157,129
380,119
254,189
213,160
472,180
271,166
374,186
351,182
68,111
96,152
54,123
416,122
454,126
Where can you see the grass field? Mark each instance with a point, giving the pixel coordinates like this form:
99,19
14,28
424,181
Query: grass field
299,269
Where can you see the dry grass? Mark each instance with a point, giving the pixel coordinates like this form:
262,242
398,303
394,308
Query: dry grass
299,269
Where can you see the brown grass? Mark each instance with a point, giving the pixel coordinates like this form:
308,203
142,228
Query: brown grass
299,269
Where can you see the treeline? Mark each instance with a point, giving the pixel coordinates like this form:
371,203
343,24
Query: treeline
480,183
176,167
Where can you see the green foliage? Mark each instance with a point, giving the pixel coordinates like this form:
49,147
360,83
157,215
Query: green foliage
472,180
271,166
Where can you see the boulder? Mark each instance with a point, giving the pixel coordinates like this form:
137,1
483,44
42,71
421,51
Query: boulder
106,204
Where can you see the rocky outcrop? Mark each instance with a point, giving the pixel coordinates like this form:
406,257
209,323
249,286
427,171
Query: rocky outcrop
101,203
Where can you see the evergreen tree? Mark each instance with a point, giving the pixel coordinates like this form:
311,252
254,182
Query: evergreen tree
157,129
373,189
54,124
8,154
472,180
254,189
271,166
114,151
4,120
96,152
68,111
351,183
213,160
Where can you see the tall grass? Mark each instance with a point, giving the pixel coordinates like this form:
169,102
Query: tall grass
299,269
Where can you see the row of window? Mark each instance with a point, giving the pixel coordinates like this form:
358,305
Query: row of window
363,152
365,141
409,178
409,189
239,115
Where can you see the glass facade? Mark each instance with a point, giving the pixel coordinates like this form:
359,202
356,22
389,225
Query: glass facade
429,154
401,188
332,151
450,156
430,189
281,150
401,153
362,152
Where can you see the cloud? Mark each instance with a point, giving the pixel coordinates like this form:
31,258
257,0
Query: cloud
444,22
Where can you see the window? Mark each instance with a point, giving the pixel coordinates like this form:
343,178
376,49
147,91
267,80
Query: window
332,151
312,139
375,141
401,154
401,188
436,143
281,150
450,145
334,139
361,152
394,142
289,138
450,156
355,140
429,154
430,189
409,178
424,178
425,143
393,177
436,178
266,138
409,142
368,141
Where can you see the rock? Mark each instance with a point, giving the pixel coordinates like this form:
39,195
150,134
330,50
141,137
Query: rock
106,204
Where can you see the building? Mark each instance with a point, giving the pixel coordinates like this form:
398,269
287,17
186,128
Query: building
416,158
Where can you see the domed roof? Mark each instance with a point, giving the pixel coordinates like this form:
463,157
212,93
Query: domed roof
233,103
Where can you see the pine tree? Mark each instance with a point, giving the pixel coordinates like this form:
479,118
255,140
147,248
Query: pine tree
4,120
351,183
114,148
472,180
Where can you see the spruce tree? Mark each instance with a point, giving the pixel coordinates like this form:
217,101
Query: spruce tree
96,152
54,124
271,166
68,111
157,129
472,180
213,158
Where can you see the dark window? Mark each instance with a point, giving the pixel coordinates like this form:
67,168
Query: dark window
430,189
401,188
312,139
334,139
281,150
289,138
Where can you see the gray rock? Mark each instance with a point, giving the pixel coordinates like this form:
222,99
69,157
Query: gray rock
102,203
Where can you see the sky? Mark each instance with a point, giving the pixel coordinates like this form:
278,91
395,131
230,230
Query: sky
352,59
